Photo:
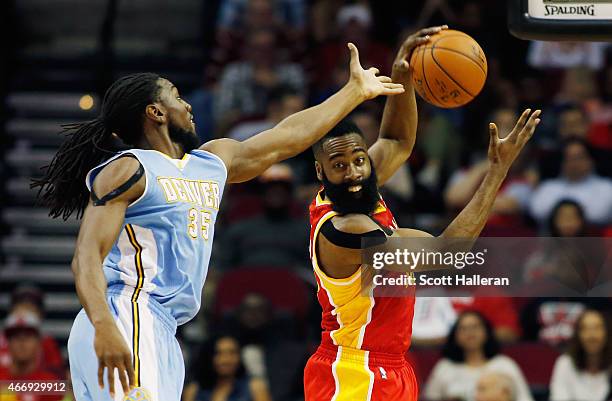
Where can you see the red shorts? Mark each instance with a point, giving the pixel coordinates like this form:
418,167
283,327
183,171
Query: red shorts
347,374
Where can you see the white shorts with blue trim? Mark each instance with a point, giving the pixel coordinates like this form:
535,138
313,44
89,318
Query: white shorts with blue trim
149,330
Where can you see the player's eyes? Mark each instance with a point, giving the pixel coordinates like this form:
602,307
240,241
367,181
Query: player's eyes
360,160
339,165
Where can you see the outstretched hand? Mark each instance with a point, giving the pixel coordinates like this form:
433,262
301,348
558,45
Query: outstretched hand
503,152
410,43
369,83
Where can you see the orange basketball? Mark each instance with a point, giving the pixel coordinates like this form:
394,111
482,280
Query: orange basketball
450,70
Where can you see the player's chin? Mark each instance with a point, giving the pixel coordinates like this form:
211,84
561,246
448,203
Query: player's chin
191,128
353,196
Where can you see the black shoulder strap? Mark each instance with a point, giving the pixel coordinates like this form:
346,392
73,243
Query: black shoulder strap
348,240
122,188
386,230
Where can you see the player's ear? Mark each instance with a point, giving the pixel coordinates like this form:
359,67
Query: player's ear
319,170
156,113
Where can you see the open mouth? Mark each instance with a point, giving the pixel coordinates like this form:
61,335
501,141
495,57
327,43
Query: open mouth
354,188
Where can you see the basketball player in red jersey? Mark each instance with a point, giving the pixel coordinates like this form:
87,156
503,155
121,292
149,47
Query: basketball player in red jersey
364,339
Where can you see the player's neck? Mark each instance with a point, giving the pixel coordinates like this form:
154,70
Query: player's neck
162,143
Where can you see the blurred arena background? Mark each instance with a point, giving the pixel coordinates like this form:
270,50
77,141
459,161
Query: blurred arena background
247,64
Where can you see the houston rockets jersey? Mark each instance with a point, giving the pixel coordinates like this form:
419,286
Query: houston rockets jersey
166,240
351,318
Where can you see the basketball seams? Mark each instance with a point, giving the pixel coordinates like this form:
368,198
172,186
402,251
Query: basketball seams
449,69
464,55
433,57
434,97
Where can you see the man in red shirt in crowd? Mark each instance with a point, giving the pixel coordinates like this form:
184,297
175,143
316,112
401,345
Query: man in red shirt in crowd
22,332
29,299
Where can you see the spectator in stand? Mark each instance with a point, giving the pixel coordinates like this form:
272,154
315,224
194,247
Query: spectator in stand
237,19
271,349
22,331
431,7
354,23
29,299
578,86
245,85
578,181
513,199
470,350
583,373
220,375
499,311
566,220
494,386
236,14
275,238
282,102
552,319
572,121
323,19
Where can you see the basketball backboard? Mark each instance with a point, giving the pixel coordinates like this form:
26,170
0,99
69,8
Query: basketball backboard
574,20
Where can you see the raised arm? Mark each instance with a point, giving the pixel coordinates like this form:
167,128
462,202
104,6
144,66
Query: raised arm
341,262
502,153
245,160
99,230
399,122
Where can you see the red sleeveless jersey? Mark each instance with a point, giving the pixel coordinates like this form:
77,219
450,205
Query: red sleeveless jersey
353,317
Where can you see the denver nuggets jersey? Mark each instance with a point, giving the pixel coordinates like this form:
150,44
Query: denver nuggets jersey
165,244
350,319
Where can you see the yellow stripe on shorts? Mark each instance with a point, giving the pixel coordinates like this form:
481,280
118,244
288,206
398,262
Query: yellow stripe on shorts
354,379
135,312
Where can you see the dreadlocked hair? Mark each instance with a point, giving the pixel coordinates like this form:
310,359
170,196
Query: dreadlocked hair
90,143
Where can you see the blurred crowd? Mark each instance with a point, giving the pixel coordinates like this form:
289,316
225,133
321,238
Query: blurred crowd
268,59
257,353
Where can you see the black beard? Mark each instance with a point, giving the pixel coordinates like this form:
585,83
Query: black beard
346,202
188,140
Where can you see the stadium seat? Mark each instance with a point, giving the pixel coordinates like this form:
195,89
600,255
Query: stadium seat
536,360
283,288
423,360
42,132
